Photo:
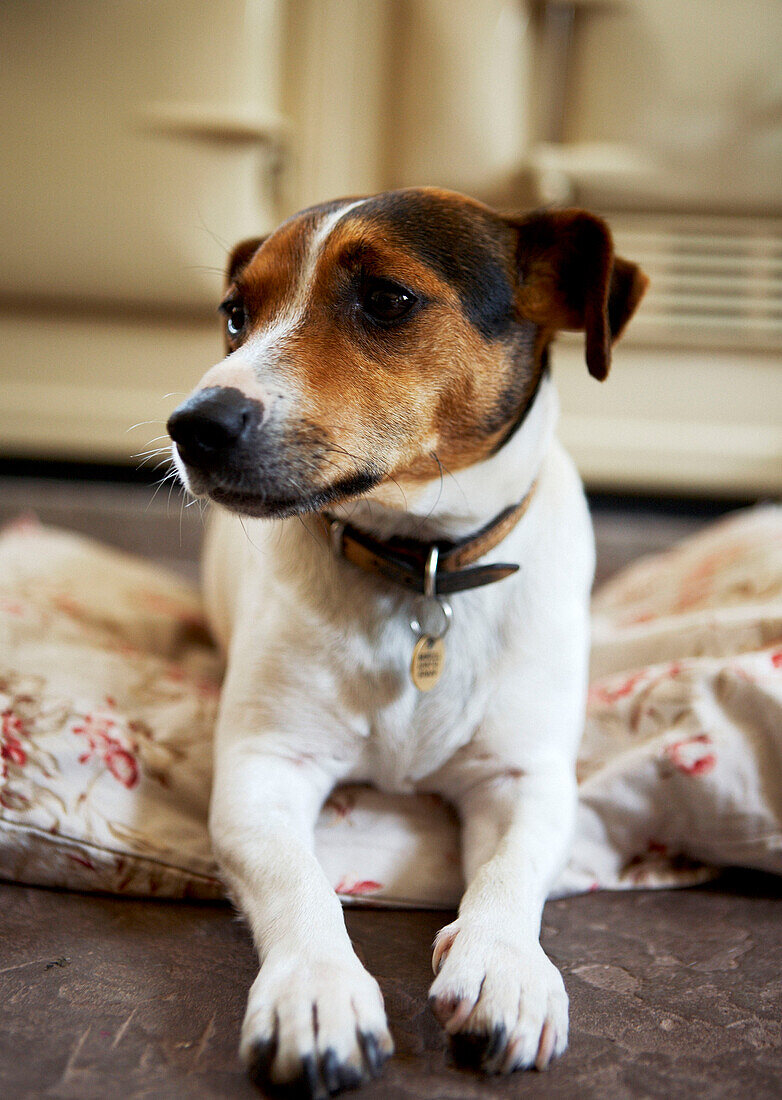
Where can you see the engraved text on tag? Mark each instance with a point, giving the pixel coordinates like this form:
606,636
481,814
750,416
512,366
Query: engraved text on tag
426,666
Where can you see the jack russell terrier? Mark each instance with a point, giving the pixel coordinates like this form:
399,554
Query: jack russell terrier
419,618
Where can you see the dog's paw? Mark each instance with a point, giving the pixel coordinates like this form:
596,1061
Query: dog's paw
318,1026
505,1006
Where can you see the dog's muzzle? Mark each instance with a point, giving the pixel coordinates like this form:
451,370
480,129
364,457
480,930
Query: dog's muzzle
213,425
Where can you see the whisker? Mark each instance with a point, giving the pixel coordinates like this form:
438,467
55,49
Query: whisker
223,244
439,492
170,491
143,424
455,480
169,476
247,535
151,453
205,267
162,462
401,490
318,542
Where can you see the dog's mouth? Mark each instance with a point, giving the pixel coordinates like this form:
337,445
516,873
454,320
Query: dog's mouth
260,506
263,505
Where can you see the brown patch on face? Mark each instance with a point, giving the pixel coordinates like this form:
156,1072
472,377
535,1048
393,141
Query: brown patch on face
262,278
241,255
405,399
266,285
442,385
477,417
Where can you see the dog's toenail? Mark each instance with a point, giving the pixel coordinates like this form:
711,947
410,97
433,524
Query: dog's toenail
373,1055
261,1058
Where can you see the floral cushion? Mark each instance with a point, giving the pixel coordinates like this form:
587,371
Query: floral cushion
109,687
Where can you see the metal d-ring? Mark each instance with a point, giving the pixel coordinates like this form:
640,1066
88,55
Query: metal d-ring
430,572
443,607
430,598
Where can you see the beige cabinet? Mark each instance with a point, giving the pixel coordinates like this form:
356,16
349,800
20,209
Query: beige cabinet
140,140
673,128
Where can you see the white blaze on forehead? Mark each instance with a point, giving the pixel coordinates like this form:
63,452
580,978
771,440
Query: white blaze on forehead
292,313
251,368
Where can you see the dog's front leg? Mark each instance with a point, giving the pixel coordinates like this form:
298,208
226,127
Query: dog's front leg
496,992
315,1017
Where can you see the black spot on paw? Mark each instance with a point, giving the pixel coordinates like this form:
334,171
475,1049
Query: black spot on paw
329,1070
373,1055
309,1085
339,1075
475,1048
496,1044
261,1058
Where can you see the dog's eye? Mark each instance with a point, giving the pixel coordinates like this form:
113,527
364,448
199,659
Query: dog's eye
235,318
385,301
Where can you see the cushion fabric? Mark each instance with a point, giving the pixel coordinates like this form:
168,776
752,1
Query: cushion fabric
109,688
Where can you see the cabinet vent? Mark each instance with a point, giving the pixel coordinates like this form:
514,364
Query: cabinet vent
714,281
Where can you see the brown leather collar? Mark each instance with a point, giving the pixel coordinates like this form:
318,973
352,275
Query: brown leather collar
403,560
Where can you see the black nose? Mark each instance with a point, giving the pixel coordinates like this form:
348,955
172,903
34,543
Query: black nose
212,423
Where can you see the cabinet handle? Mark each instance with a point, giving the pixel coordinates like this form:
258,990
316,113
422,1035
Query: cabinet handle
216,124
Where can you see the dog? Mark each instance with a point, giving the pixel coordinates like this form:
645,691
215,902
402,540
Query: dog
386,395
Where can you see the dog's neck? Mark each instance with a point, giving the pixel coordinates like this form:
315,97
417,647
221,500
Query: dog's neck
456,505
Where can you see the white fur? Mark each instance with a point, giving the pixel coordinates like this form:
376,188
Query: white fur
318,692
260,346
257,365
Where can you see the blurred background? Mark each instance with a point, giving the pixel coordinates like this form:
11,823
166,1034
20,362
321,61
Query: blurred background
142,138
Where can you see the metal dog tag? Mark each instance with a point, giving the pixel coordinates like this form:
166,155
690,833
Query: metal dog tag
426,666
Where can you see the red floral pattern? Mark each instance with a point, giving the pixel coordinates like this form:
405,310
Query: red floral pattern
99,730
353,888
600,694
689,757
11,732
13,757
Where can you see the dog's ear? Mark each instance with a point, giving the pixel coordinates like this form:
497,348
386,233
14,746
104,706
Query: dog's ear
241,256
569,278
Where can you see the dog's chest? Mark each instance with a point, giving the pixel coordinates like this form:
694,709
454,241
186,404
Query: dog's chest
415,733
410,740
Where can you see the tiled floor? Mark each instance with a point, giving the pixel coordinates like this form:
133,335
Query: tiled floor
673,994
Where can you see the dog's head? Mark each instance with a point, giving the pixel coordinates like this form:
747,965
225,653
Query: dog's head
381,340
